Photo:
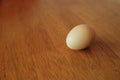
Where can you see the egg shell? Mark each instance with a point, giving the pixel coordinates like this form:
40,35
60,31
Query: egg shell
80,37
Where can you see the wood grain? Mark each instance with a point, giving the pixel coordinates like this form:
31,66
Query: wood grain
32,40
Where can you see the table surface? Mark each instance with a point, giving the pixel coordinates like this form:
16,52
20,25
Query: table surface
33,33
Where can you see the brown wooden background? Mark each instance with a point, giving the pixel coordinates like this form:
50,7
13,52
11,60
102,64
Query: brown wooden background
32,40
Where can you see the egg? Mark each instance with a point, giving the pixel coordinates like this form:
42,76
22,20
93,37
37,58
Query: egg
80,37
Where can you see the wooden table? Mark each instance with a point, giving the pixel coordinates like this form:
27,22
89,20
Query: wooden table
33,33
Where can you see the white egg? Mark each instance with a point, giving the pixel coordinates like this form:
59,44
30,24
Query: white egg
80,37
